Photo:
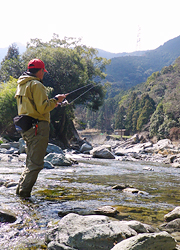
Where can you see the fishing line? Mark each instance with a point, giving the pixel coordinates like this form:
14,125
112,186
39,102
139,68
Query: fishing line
79,88
82,94
65,102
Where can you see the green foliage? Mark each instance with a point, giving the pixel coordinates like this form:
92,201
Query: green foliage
127,71
157,120
153,77
120,118
164,112
138,113
8,107
146,111
11,64
164,129
70,66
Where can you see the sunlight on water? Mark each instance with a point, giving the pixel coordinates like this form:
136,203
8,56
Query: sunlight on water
83,188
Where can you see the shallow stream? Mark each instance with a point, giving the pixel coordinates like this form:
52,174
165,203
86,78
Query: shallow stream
83,188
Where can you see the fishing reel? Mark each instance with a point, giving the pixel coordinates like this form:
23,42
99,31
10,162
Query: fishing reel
64,103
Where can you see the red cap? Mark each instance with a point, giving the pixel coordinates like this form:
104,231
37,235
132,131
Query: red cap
36,64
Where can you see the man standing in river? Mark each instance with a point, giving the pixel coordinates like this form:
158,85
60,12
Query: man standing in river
34,116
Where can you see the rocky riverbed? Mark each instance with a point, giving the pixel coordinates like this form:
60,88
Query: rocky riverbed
106,196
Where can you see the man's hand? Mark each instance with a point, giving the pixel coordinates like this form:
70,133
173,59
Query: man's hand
61,97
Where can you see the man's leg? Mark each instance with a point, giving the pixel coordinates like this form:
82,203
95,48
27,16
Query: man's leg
36,150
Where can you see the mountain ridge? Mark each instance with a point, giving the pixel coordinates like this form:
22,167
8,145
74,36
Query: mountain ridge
126,72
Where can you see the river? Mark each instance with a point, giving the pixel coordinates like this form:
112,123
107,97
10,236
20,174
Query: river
83,188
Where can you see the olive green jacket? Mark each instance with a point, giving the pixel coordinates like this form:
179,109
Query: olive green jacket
32,99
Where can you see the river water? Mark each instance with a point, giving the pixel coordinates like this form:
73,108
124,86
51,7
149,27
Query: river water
83,188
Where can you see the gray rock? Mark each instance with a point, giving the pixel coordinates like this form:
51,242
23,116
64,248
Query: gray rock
5,145
11,150
175,164
85,147
106,210
174,214
57,246
7,217
14,144
120,186
48,165
141,227
9,184
147,241
3,150
51,148
172,226
90,232
58,159
22,146
119,152
102,152
134,191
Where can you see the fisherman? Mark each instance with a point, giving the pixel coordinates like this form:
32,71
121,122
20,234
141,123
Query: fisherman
34,117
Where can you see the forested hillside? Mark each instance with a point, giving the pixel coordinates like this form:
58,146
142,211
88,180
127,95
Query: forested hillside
138,75
126,72
154,105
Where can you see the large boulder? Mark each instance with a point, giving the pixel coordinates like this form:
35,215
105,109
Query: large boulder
164,144
85,147
174,214
58,159
51,148
172,226
6,217
90,232
147,241
102,152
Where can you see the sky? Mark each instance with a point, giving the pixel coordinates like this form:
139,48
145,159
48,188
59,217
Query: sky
111,25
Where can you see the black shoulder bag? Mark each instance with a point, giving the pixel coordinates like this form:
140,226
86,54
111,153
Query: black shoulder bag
24,122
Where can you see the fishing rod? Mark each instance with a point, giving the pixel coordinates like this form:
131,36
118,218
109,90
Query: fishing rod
79,89
65,102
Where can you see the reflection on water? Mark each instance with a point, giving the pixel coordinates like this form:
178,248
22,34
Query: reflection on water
82,188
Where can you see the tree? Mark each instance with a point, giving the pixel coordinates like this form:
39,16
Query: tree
8,108
156,120
120,118
11,65
130,111
145,114
70,66
147,107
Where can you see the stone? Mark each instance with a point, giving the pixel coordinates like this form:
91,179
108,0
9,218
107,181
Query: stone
7,217
9,184
120,186
89,232
51,148
102,152
174,214
57,246
58,159
48,165
5,145
141,227
175,164
172,226
85,147
147,241
134,191
106,210
22,146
